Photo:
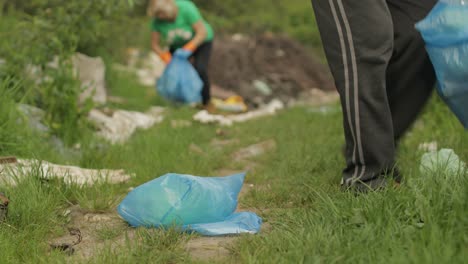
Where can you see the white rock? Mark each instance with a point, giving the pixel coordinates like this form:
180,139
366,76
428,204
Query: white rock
92,73
11,173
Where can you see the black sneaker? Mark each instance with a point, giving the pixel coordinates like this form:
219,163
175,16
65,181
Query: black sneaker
377,184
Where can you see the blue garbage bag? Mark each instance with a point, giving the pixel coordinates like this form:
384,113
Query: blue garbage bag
205,205
180,82
445,31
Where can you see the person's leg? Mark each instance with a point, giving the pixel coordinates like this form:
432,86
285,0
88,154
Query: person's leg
358,40
410,74
201,61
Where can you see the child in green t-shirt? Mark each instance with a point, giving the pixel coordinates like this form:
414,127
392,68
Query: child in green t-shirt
180,25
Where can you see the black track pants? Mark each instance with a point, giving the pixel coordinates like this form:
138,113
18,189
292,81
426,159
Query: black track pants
382,73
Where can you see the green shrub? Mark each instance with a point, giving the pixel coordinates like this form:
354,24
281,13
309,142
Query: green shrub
12,131
34,33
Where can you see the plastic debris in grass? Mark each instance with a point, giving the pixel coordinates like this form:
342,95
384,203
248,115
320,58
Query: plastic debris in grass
262,87
14,170
117,126
268,110
233,104
205,205
444,162
445,31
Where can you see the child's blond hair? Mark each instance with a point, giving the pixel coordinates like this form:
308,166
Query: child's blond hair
167,7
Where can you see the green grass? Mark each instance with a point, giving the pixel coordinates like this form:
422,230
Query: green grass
296,192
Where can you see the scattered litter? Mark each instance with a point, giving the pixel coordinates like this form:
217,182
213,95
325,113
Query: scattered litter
180,123
68,248
265,67
268,110
262,87
3,207
205,205
233,104
255,150
444,162
428,146
220,92
206,118
11,172
120,124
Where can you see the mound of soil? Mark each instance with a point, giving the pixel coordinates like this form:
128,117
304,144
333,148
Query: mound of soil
288,69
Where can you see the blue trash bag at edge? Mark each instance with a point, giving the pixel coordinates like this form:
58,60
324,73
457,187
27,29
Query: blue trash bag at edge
445,31
180,82
205,205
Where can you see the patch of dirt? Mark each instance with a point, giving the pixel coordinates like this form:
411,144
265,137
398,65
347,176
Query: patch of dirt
210,248
97,230
288,69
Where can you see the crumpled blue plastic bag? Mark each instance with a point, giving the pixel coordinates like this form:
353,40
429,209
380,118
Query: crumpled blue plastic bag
205,205
180,82
445,31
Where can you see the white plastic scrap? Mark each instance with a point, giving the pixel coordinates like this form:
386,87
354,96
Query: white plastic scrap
428,146
444,161
10,173
268,110
118,127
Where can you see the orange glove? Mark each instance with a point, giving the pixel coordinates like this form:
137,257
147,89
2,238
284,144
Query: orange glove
166,57
190,46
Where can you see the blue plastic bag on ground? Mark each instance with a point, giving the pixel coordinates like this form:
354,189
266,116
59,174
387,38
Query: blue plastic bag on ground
197,204
445,31
180,82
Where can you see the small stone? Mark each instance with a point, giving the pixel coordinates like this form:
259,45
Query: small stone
66,213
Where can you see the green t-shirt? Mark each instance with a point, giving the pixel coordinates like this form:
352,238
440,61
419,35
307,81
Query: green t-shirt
177,33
